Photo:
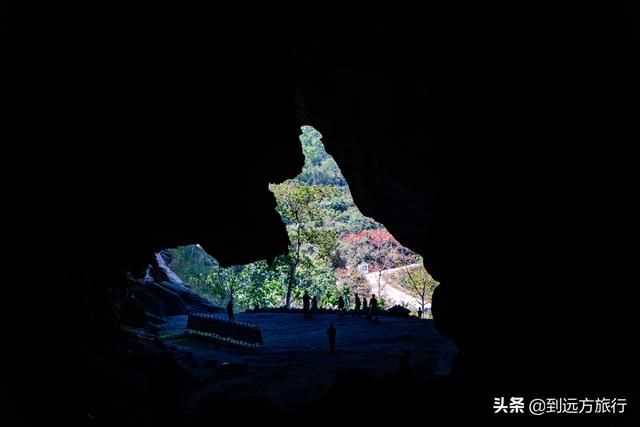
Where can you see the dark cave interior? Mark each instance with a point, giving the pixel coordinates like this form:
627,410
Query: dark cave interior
477,142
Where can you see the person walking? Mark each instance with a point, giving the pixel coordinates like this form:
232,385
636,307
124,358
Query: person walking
306,304
373,303
331,333
357,308
230,309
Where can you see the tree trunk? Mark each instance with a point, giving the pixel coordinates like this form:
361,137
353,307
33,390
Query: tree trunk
290,287
380,284
292,272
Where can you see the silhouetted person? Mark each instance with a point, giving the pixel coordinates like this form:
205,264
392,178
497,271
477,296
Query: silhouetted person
420,313
364,304
331,333
373,304
341,304
357,310
403,366
305,304
314,304
230,309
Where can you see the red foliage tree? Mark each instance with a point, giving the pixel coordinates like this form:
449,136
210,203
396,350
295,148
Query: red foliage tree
379,249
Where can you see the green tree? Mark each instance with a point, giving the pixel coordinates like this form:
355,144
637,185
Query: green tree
319,167
420,284
300,207
261,285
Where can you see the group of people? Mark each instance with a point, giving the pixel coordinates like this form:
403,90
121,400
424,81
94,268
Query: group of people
370,308
309,305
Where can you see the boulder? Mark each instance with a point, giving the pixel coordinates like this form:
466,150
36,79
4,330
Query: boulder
399,311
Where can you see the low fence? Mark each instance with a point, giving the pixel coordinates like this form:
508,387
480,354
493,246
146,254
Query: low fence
225,330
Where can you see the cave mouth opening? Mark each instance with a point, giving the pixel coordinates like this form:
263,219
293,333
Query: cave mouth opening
335,252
